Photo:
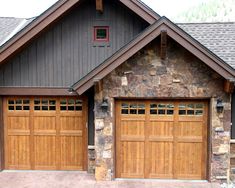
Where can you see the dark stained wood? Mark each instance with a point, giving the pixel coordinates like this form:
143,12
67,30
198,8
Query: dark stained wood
52,14
228,86
13,91
141,10
98,86
99,5
35,28
146,37
163,44
1,136
66,52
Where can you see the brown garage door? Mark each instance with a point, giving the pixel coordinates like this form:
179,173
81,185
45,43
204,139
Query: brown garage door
45,133
161,139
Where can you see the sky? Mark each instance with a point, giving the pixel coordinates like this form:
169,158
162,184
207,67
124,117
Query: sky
32,8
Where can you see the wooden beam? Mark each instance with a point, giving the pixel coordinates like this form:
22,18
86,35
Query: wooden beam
99,5
228,86
2,162
98,86
163,44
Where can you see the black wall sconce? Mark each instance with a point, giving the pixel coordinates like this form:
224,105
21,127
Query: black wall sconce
219,106
104,105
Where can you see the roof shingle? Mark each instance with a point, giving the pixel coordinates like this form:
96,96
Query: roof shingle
7,25
219,38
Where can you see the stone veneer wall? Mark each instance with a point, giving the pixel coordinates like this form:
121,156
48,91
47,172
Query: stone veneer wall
180,75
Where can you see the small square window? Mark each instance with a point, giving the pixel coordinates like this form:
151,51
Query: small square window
101,34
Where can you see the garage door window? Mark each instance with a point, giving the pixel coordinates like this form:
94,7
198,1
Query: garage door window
70,105
161,109
191,109
18,104
132,108
44,105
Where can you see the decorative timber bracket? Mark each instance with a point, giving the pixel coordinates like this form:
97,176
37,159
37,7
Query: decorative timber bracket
98,85
229,85
163,44
99,5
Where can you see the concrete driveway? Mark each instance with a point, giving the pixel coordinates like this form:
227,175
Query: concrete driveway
73,179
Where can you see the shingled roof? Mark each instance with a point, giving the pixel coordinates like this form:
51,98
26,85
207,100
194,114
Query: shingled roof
217,37
9,26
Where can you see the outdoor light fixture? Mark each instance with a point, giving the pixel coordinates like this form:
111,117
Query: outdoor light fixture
219,106
104,106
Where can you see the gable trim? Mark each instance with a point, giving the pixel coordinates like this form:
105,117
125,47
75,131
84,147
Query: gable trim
35,28
142,10
49,16
142,40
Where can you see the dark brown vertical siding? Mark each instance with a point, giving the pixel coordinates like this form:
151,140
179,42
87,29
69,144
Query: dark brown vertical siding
66,52
1,136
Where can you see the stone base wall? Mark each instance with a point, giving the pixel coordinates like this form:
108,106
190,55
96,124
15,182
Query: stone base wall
180,75
220,143
232,160
91,160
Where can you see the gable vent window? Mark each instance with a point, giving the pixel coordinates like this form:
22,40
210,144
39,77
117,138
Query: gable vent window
101,34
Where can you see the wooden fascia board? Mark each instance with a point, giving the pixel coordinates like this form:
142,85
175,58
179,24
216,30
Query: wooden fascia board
141,10
118,59
201,53
34,91
35,28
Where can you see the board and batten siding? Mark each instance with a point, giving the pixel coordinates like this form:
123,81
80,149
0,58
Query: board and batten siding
66,52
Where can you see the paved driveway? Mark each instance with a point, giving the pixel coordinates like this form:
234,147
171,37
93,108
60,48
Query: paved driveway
70,179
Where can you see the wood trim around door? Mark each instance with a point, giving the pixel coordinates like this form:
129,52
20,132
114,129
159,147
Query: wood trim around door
2,161
31,115
205,132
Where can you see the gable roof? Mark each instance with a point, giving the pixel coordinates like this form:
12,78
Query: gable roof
218,37
180,36
53,13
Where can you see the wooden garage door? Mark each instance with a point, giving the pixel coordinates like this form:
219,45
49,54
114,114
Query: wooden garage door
45,133
161,139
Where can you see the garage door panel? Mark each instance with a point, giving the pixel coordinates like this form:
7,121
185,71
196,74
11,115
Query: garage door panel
173,138
71,122
18,152
18,123
44,133
71,153
44,123
45,152
161,129
160,159
188,160
132,159
133,127
190,129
